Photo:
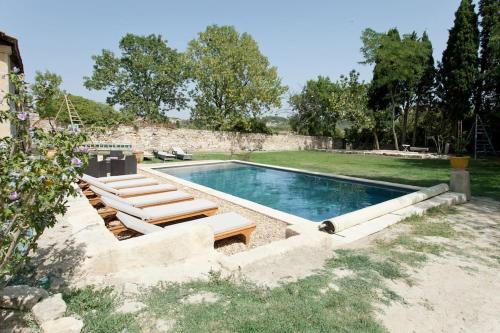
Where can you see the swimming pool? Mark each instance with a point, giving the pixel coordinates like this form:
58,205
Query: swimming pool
310,196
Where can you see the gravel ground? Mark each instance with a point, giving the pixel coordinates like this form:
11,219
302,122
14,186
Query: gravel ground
268,229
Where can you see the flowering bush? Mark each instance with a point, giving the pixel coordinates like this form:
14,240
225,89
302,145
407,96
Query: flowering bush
37,174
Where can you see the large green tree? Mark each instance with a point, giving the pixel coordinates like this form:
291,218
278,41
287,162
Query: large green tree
459,68
147,79
399,64
46,92
322,104
489,78
234,83
315,107
425,87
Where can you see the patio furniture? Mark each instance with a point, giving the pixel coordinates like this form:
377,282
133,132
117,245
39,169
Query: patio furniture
130,164
405,147
119,178
117,167
145,200
181,154
163,155
116,153
92,166
104,168
129,191
162,213
132,183
224,225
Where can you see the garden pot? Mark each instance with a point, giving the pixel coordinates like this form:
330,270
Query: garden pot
459,162
139,156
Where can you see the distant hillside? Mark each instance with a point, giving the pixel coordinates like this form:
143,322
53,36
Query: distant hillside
277,123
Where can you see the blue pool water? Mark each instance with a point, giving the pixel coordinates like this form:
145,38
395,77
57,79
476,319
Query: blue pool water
312,197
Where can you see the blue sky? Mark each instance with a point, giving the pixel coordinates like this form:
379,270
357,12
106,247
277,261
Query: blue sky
303,39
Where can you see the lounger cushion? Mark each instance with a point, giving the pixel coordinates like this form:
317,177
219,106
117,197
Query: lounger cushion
164,153
225,222
162,211
118,205
145,189
132,183
94,181
180,151
158,198
119,178
138,225
146,200
219,223
180,208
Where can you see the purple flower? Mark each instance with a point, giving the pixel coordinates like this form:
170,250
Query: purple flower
14,196
76,162
22,116
82,149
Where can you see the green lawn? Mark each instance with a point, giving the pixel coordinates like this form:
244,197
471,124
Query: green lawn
485,174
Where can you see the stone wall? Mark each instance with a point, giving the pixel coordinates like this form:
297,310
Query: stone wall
150,137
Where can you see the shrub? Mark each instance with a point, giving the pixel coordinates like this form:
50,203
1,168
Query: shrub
37,174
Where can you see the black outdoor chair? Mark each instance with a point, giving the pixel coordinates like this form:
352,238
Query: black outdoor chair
92,167
130,164
104,168
117,167
116,153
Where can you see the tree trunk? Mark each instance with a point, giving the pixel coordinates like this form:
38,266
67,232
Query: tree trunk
376,144
405,124
396,145
393,105
415,125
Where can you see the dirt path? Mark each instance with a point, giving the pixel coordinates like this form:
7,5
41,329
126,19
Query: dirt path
457,292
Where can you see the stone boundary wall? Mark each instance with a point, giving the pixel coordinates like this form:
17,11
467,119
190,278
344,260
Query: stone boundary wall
150,137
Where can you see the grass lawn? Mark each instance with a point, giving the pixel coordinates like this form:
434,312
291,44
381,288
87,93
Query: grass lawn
485,174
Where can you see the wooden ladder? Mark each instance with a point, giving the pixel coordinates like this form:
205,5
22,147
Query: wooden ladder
74,118
482,141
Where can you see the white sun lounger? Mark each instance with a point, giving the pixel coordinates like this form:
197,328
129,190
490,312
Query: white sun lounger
163,155
223,225
123,183
146,200
120,178
181,154
163,213
129,191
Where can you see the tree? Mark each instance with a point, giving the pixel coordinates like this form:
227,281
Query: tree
459,68
48,98
426,85
147,80
46,91
489,66
354,105
322,104
399,66
234,82
315,108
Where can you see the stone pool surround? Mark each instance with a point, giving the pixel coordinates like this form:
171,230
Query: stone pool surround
187,252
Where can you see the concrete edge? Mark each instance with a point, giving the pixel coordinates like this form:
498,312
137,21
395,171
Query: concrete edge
375,225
